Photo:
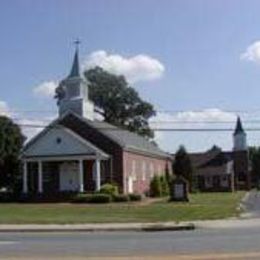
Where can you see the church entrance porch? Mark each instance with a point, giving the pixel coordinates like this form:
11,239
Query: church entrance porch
67,175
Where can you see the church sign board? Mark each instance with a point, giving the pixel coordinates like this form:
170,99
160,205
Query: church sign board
179,190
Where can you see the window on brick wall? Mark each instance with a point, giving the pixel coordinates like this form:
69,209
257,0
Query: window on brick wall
133,170
151,170
144,171
159,169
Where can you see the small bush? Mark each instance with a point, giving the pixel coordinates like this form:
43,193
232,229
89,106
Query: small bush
155,187
7,196
92,198
100,198
109,189
164,186
82,198
135,197
121,198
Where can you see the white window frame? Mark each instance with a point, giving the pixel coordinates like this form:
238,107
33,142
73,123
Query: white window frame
151,170
133,170
144,171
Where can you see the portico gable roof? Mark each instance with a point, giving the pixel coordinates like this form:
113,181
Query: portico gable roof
59,141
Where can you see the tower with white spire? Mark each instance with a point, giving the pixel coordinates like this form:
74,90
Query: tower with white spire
239,137
242,178
72,92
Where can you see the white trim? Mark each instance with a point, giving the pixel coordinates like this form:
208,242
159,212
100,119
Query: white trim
25,177
98,175
62,158
40,190
81,176
85,142
144,171
55,122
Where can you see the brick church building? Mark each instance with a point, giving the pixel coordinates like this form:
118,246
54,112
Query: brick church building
218,170
78,153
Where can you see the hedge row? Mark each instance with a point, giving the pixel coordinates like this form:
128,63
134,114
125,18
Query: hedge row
105,198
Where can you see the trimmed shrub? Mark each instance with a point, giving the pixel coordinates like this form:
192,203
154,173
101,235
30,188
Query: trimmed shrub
135,197
100,198
164,186
7,197
155,187
92,198
82,198
109,189
121,198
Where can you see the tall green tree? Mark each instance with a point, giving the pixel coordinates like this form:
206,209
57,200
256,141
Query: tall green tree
254,157
11,141
121,105
182,165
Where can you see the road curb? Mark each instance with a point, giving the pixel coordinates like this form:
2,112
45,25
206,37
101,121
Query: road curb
97,228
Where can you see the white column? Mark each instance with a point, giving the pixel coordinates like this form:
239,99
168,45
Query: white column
98,175
25,179
81,176
39,176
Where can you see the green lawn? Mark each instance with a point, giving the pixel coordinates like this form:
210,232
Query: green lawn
201,206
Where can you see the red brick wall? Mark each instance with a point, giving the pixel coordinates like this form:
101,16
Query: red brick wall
120,161
102,142
142,179
241,165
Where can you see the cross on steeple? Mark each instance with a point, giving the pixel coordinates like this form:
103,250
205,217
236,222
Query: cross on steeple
77,42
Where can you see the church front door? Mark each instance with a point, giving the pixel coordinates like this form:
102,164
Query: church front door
69,176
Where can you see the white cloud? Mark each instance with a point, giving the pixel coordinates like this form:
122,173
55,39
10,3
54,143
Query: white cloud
45,89
28,129
26,123
213,115
252,52
4,109
31,126
137,68
193,141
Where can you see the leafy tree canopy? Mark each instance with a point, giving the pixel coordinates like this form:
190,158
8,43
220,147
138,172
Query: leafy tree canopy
182,165
11,141
254,156
120,103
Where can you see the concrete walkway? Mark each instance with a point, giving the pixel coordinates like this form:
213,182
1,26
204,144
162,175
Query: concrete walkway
168,226
251,205
164,226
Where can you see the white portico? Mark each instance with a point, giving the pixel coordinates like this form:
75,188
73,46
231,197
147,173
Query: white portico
59,144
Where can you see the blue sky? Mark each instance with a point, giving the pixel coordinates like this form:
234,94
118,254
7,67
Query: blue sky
198,42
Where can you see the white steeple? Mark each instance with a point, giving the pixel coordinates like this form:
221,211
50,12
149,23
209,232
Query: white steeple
239,137
72,92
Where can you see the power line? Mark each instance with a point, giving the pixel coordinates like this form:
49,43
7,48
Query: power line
158,111
154,129
251,121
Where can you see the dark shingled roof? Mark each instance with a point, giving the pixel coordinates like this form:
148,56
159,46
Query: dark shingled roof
125,139
212,162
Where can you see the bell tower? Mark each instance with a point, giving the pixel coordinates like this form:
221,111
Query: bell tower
72,92
240,158
239,137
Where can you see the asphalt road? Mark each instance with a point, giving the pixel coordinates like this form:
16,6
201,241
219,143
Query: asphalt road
239,242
